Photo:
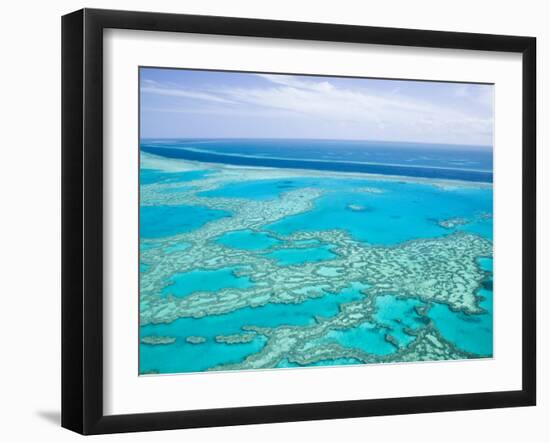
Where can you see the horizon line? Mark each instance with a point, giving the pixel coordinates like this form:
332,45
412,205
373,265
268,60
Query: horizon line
491,146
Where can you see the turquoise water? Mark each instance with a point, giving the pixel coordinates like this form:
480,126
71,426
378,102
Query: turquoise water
269,315
148,176
177,189
470,332
398,315
270,189
186,357
165,221
160,357
400,211
286,257
366,337
178,247
254,190
248,240
403,212
144,246
210,281
486,263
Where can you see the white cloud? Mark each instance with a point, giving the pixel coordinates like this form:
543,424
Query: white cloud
173,92
465,116
390,110
297,82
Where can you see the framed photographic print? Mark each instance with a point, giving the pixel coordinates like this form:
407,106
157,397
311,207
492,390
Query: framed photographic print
269,221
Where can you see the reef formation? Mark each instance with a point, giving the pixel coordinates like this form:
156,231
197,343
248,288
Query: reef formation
442,270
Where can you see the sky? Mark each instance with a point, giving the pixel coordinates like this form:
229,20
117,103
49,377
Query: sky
178,103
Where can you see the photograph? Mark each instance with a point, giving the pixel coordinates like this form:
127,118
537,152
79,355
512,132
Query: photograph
291,220
254,222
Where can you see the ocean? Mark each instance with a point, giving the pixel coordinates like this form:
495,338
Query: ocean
354,251
471,163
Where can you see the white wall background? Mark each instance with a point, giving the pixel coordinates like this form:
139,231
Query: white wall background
30,218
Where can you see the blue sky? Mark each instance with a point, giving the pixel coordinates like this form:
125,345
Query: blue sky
214,104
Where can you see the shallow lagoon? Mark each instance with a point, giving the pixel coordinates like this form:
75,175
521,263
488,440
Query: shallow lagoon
248,240
404,211
366,337
270,315
472,333
165,221
399,314
290,256
372,211
149,176
210,281
186,357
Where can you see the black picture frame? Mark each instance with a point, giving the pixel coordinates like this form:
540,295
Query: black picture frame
82,218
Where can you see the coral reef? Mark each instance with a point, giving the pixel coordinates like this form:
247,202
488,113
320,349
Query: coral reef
431,270
157,340
195,339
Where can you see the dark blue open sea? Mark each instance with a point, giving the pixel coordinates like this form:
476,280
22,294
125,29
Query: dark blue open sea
456,162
